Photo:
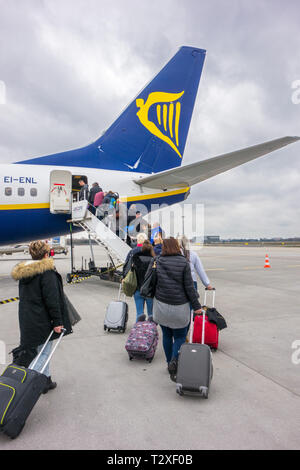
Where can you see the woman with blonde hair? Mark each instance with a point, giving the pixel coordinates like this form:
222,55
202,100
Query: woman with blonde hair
195,263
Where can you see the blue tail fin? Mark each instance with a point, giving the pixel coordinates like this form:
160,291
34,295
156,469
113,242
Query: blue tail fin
150,135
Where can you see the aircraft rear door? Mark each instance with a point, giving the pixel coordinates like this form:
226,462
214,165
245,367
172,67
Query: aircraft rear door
60,192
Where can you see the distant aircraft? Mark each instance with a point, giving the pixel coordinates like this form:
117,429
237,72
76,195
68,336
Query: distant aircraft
139,156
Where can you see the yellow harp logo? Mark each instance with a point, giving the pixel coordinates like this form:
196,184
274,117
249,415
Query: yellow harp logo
167,113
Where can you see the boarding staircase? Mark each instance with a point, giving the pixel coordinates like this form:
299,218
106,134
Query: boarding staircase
115,247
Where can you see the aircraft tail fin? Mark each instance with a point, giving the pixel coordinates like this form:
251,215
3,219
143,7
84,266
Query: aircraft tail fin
150,134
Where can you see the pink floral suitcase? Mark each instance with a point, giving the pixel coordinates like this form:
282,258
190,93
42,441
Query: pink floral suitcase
142,341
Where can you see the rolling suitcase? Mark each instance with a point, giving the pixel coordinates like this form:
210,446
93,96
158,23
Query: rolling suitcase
20,389
211,330
142,341
116,314
195,369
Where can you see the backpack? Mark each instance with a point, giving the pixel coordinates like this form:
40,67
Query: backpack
129,284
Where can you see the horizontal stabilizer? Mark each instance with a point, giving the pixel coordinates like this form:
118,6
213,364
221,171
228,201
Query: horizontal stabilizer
196,172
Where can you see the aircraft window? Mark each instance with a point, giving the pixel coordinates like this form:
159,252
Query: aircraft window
21,191
33,192
8,191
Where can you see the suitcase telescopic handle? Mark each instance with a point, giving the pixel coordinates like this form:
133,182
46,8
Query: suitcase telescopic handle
63,330
213,290
120,292
192,327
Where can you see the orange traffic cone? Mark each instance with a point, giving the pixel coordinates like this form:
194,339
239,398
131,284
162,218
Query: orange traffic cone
267,262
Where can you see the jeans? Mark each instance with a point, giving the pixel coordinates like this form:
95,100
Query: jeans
140,303
43,358
173,339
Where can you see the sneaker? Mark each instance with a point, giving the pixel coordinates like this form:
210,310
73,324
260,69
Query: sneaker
172,368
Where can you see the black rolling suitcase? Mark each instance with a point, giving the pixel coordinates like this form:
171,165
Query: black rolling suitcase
195,369
20,389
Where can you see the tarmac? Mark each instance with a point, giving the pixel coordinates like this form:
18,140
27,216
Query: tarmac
105,401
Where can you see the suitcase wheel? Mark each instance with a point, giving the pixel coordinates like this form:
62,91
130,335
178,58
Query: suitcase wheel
204,392
105,328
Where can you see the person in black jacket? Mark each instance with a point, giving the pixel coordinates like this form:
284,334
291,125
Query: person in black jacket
173,295
93,191
140,262
42,306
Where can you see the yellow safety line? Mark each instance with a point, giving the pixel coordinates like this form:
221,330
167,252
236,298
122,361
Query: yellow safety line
7,301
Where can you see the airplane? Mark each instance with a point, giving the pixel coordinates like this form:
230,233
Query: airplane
139,155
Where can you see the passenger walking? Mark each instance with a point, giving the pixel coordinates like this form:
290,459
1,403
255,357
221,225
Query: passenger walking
128,262
140,263
94,190
195,263
156,230
173,295
84,191
158,241
42,306
136,226
98,199
139,259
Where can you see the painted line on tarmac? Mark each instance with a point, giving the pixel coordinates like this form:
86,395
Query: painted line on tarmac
253,267
215,269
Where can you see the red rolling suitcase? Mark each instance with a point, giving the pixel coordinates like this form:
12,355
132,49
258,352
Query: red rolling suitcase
211,330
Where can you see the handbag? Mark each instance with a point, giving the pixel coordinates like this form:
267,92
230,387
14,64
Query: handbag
73,315
129,284
148,287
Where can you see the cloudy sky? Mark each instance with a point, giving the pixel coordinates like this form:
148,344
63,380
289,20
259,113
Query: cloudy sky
70,66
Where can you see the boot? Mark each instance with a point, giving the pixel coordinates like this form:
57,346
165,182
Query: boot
49,386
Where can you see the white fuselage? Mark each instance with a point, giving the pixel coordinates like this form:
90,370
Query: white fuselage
25,198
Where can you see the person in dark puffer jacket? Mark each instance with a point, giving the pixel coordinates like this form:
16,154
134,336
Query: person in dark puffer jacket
42,306
174,293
